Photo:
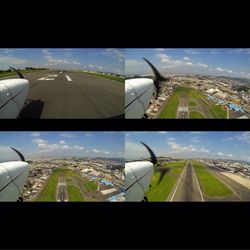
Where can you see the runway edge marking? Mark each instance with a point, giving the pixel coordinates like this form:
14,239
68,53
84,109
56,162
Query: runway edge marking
69,78
178,183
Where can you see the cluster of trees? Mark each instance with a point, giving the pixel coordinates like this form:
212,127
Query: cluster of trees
27,68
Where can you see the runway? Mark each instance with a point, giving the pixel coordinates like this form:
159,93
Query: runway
182,112
187,187
62,194
66,94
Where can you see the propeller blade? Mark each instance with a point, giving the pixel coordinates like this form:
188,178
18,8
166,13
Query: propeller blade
18,72
152,155
158,78
20,154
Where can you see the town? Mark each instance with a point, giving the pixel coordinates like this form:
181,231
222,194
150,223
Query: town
109,173
232,94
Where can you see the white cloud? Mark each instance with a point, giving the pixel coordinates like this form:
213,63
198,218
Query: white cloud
162,132
78,147
186,58
202,65
220,69
159,50
38,141
12,61
192,51
62,142
224,154
163,56
188,64
96,150
171,139
67,135
115,53
178,148
230,71
35,134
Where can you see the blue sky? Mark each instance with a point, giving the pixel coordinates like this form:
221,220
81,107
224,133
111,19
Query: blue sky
216,145
216,62
35,145
107,60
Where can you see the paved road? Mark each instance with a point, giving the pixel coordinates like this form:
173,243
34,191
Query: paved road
62,94
62,193
239,190
187,186
182,112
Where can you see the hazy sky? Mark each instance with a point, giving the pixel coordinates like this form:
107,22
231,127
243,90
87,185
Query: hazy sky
107,60
218,145
216,62
58,144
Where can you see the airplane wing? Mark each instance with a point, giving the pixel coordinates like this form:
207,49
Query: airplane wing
13,93
13,176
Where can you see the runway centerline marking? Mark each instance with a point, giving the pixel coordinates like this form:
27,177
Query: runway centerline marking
69,78
178,183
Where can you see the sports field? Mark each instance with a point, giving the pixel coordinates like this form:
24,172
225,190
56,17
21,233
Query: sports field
198,105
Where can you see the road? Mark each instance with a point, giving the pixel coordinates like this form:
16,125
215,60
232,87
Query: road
62,94
187,187
62,193
239,190
182,112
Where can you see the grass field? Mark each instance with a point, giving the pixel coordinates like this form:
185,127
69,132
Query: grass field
74,193
12,73
196,115
171,107
90,185
210,185
115,78
192,104
160,192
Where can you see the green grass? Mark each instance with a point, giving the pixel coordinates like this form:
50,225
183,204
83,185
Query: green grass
90,185
171,107
74,193
218,112
115,78
210,185
191,104
12,73
161,192
196,115
49,191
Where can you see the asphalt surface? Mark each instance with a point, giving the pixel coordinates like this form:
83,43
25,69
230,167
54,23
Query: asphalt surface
62,94
182,112
62,194
187,186
241,192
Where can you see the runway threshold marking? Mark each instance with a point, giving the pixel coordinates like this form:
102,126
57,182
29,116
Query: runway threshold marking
178,183
69,78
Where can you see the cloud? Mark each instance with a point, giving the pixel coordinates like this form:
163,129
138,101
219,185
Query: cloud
116,54
39,141
62,142
159,50
35,134
192,51
171,139
163,56
186,58
67,135
13,61
162,132
243,137
178,148
230,71
78,147
96,150
224,154
188,64
220,69
202,65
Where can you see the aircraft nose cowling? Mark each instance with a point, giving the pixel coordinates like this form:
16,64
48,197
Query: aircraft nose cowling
13,93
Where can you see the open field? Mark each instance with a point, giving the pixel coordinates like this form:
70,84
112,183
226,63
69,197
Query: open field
115,78
160,192
74,193
210,185
196,103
